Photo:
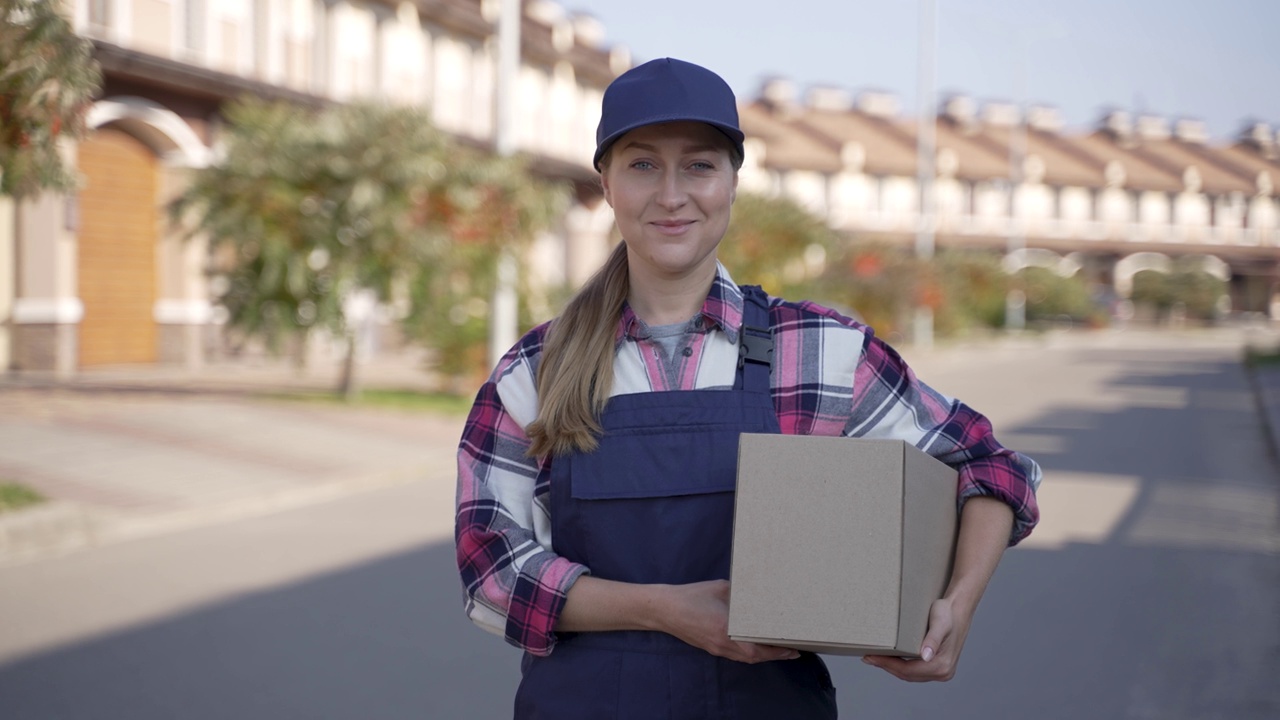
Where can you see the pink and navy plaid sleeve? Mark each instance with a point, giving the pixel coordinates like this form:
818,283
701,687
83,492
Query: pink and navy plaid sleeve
515,586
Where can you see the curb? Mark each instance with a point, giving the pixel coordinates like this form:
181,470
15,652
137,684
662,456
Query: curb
51,528
58,528
1266,390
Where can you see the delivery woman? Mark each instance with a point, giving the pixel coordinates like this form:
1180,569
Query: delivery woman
597,468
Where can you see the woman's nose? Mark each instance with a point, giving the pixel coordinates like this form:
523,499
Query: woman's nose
671,193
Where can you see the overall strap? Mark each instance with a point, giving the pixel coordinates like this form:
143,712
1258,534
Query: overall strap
755,353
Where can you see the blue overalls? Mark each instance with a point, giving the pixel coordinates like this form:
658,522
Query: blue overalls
654,504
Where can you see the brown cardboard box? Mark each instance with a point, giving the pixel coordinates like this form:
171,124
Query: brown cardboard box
840,545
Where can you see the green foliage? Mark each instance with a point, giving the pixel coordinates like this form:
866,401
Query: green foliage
1053,298
775,243
1194,291
875,280
494,205
47,81
310,206
974,290
15,497
307,207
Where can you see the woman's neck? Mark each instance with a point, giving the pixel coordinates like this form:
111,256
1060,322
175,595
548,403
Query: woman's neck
666,301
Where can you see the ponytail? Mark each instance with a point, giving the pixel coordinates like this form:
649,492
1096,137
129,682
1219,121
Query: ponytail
575,375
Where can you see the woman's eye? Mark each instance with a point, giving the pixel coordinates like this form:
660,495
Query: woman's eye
703,166
642,165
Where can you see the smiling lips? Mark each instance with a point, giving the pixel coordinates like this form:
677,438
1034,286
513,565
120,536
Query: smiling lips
672,227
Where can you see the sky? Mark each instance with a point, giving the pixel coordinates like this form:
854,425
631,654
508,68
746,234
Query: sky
1216,61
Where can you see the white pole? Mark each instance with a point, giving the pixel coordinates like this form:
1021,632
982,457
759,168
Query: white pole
1015,305
922,332
503,318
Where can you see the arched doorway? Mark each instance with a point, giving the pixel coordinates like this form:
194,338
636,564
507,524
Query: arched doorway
119,224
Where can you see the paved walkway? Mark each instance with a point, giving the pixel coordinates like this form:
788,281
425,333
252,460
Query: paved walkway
128,452
125,453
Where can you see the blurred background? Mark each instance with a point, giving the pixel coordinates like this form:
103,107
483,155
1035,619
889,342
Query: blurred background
256,256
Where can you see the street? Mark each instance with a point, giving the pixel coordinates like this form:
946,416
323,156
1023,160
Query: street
1151,589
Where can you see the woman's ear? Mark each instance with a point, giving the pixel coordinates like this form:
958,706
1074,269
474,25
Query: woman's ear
604,185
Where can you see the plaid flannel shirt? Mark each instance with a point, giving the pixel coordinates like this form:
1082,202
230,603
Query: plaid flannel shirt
831,376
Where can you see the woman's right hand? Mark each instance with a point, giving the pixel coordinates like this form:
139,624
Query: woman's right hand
698,614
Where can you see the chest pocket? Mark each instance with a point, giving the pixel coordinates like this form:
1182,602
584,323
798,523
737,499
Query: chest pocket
658,462
668,444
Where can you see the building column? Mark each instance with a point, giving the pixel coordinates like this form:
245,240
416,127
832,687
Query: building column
182,309
7,277
46,307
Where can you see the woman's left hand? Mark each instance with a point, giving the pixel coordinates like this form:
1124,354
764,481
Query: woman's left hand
984,530
940,652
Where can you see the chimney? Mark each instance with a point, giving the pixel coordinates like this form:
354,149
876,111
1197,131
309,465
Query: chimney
779,94
832,99
1153,127
1118,124
1258,135
960,109
1001,114
1045,118
878,103
588,29
1191,131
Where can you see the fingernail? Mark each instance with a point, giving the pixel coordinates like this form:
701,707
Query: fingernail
927,654
867,660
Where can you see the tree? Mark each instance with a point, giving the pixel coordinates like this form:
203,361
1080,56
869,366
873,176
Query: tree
777,244
47,82
311,209
491,204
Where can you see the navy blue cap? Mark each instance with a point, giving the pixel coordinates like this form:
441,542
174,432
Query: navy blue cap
666,90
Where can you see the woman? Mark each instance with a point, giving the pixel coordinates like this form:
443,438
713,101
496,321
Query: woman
596,471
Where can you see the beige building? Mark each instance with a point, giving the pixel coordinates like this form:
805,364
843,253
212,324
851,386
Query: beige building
1110,201
100,278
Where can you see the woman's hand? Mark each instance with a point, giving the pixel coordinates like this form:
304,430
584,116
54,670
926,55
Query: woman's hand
940,651
699,615
984,532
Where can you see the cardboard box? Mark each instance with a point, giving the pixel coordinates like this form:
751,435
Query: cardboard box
840,545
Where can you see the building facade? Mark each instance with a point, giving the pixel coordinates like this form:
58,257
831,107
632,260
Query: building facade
101,278
1125,196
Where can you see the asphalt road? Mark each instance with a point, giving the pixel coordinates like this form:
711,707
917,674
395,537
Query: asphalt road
1152,589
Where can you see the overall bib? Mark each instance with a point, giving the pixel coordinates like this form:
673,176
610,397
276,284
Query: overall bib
654,504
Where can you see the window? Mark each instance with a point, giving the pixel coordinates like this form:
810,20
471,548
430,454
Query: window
99,14
193,29
261,20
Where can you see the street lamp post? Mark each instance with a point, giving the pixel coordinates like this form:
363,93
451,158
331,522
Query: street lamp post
503,316
1015,304
922,327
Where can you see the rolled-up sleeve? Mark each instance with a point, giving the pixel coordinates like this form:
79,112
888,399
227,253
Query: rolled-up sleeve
514,585
889,401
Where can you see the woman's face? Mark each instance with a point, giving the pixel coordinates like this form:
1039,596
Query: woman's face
671,187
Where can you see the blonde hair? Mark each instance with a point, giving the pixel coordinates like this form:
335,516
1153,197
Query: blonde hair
575,374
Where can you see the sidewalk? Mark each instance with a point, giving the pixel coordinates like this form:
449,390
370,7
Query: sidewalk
129,452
